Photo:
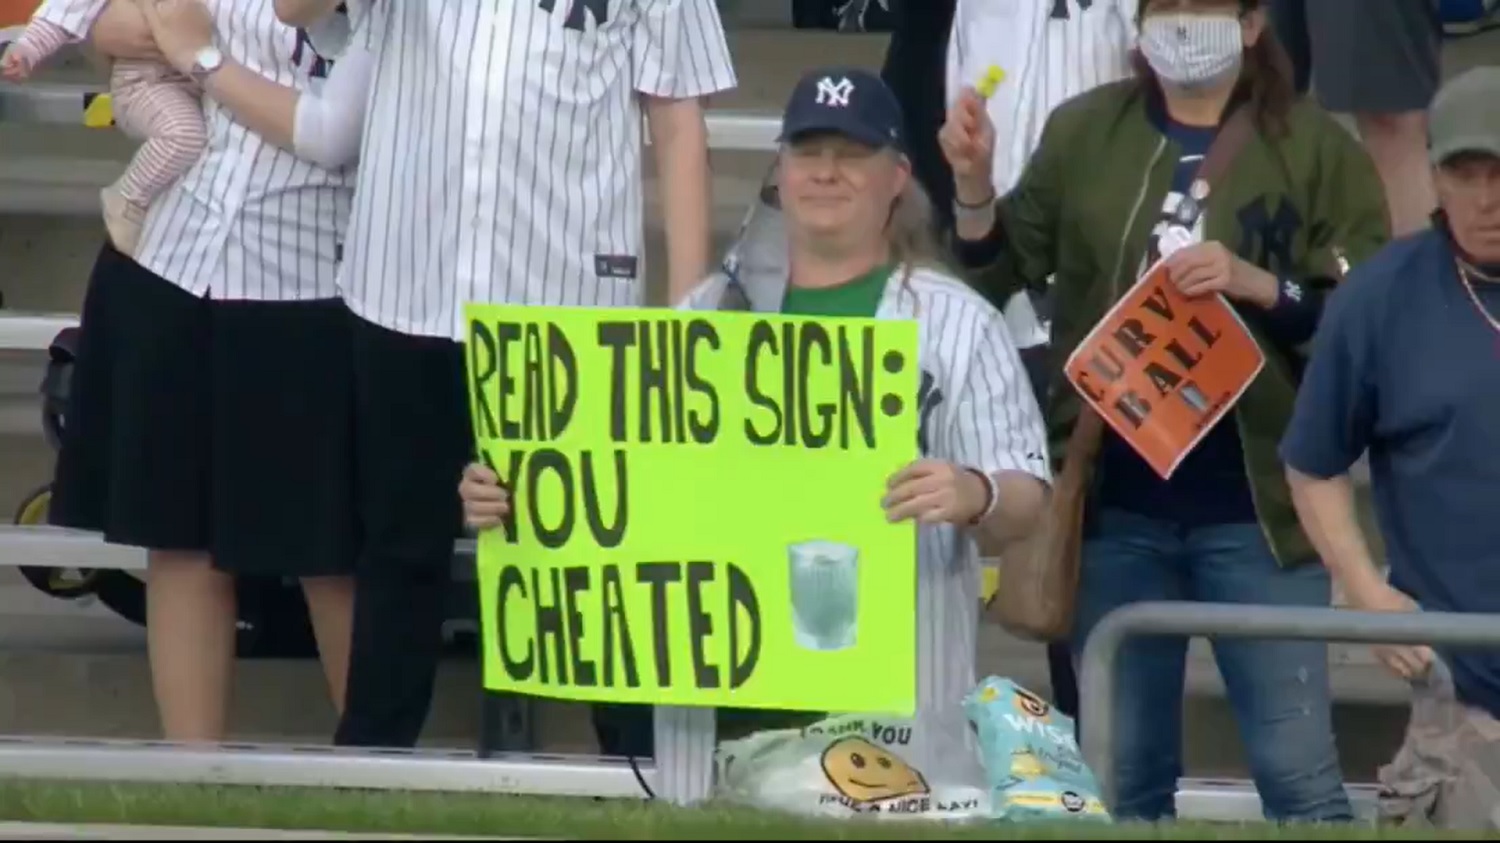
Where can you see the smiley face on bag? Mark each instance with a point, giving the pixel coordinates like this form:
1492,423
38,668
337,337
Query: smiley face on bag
864,772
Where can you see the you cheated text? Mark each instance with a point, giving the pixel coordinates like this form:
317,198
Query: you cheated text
578,628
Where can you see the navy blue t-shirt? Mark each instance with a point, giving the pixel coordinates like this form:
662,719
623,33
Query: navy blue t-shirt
1210,485
1406,365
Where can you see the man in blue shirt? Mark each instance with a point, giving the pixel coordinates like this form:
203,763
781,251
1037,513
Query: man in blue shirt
1406,365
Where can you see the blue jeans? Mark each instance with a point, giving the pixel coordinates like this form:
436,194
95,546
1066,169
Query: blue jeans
1278,689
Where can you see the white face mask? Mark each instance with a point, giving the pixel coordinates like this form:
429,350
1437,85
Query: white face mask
1192,51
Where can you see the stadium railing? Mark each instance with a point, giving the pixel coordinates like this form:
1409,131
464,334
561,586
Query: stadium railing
1239,620
83,759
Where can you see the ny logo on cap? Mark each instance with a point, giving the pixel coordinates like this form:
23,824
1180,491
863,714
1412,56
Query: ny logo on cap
833,93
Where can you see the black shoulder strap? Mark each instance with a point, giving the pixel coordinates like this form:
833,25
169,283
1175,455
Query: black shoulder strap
1227,143
1232,137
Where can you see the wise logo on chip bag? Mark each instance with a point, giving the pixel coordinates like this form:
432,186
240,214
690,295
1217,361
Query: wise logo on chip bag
1031,759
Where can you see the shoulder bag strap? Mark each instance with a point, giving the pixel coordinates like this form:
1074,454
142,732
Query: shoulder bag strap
1232,137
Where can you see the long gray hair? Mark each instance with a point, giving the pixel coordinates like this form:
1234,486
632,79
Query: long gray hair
911,232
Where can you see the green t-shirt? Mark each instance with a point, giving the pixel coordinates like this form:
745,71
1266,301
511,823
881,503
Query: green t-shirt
857,297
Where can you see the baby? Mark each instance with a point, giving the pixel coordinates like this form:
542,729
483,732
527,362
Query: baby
153,103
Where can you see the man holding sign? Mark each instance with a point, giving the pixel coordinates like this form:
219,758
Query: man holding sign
1247,198
878,393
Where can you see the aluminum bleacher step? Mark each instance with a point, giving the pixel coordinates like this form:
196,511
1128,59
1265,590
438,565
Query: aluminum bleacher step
157,762
45,546
21,331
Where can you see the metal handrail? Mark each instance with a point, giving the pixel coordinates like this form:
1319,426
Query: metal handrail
1243,620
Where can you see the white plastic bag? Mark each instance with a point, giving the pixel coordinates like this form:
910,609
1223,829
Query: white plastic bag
857,766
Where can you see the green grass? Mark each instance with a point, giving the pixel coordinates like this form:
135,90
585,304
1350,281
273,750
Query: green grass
580,819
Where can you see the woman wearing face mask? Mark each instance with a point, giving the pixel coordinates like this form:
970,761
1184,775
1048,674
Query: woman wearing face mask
1113,184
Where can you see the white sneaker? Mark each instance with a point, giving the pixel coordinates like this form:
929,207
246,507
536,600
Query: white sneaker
122,219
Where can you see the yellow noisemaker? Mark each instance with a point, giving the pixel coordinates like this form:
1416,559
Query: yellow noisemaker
991,80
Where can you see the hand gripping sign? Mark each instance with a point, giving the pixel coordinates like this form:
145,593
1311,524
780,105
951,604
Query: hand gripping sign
696,510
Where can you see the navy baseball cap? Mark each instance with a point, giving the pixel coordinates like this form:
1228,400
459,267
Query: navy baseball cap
844,100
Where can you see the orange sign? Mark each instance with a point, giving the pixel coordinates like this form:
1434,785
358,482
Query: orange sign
1163,369
14,15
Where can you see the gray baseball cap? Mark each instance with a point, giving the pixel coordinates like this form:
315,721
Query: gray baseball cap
1465,115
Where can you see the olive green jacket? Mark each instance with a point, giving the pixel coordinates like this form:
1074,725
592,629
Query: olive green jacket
1300,205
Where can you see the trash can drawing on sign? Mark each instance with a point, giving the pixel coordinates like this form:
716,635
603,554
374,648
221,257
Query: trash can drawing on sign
825,595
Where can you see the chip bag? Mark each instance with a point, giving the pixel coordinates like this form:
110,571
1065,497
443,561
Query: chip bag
857,766
1031,758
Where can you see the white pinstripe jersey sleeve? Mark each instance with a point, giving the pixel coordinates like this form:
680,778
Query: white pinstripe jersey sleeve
330,121
75,16
994,423
680,50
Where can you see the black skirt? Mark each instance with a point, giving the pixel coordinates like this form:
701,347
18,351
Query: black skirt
283,448
209,426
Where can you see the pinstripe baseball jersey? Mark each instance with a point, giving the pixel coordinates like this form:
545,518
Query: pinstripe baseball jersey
1050,50
251,220
977,409
502,156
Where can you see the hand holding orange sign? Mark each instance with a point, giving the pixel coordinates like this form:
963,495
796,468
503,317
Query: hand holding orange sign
1162,369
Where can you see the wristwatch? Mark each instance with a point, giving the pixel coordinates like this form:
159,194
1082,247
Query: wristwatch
205,62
